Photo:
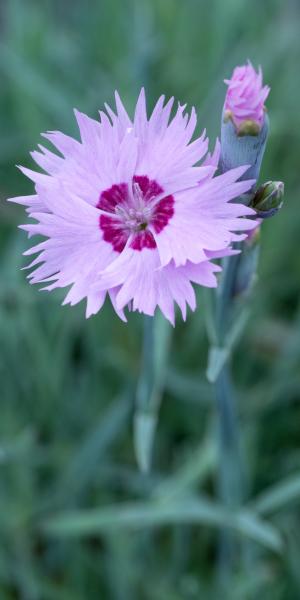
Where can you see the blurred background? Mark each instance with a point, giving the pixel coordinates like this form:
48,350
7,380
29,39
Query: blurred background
67,384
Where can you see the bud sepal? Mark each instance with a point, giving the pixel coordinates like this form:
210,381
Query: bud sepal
268,199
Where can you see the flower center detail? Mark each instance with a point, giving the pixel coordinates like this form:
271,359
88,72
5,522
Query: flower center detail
134,212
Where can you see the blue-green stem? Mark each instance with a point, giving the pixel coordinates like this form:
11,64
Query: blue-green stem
231,476
146,380
236,279
156,337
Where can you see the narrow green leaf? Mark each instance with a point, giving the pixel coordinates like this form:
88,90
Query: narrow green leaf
90,453
195,469
237,328
189,388
216,360
278,496
142,515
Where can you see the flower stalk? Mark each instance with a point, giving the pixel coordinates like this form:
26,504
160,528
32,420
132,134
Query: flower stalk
156,341
244,133
231,481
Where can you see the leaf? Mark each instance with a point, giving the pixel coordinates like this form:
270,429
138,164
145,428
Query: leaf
187,387
278,496
237,328
91,452
143,515
18,448
216,361
195,469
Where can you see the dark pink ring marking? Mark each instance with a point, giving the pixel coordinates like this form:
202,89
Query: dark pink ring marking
116,230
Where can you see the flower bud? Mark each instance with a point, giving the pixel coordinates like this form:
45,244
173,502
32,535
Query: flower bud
245,98
245,123
268,199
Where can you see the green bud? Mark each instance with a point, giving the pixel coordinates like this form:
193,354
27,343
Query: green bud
268,199
243,146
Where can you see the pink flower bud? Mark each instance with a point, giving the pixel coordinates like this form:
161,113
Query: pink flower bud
245,99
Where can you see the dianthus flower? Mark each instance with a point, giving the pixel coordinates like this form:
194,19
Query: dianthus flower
245,98
131,211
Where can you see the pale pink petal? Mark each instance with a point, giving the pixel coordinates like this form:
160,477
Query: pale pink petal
134,209
246,95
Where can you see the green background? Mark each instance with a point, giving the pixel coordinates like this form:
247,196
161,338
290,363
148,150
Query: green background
67,384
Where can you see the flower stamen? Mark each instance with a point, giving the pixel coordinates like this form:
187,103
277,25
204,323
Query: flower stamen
132,212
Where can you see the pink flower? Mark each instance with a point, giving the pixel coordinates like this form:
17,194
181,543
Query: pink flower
245,98
128,211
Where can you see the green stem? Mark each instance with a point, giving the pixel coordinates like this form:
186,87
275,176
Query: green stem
146,381
225,294
156,337
230,476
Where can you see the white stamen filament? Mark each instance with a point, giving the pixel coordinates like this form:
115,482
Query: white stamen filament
135,214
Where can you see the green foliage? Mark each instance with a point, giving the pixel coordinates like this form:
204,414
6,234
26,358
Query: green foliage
77,518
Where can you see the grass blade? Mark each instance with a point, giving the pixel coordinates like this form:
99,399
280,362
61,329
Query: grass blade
143,515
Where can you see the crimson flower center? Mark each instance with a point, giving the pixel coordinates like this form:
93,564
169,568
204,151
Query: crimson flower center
134,214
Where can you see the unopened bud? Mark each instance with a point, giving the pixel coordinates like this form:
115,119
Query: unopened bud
268,199
238,150
245,99
245,123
